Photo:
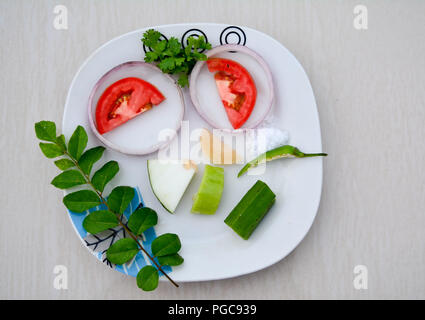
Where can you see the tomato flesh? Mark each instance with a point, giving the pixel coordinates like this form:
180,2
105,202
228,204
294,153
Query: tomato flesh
123,100
236,88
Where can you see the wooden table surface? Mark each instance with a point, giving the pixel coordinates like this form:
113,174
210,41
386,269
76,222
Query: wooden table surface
369,86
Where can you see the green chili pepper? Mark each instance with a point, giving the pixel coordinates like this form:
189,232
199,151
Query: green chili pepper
286,151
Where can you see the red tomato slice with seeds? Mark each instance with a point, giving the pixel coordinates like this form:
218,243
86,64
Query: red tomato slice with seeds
236,89
123,100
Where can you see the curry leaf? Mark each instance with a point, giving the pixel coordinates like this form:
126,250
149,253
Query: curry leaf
51,150
147,278
77,142
122,251
89,158
60,141
81,201
119,198
77,165
64,164
68,179
171,260
105,174
142,219
46,130
166,244
98,221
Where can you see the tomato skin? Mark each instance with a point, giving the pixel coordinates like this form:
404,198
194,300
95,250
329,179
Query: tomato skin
236,88
124,100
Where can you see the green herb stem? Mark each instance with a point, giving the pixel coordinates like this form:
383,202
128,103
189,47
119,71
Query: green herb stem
87,178
306,155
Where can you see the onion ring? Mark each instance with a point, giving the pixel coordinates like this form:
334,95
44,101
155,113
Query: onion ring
231,48
122,71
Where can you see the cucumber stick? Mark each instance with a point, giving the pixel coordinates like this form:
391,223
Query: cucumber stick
252,208
207,199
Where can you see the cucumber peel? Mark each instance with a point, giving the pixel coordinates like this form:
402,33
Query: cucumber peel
207,199
252,208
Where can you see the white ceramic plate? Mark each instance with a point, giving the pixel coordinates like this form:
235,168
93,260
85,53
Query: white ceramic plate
210,248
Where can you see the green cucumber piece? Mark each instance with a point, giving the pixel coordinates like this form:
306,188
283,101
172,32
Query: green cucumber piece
207,199
252,208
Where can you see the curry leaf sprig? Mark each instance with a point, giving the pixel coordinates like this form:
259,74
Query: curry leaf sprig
171,57
76,164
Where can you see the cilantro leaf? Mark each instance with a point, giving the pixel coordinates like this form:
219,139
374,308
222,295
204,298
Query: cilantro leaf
159,46
183,80
171,57
174,46
167,64
151,37
151,56
179,61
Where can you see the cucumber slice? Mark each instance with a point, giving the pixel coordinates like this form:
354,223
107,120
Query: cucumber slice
169,181
207,199
252,208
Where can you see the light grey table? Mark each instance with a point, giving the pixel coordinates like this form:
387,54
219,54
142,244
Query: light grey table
369,86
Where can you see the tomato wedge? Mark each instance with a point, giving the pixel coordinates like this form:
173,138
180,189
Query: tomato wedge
123,100
236,88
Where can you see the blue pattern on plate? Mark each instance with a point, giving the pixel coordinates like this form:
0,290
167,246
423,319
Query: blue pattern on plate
98,244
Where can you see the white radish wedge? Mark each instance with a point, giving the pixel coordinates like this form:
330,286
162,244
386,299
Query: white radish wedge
169,181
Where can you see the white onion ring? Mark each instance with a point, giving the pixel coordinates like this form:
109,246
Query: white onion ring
225,48
91,108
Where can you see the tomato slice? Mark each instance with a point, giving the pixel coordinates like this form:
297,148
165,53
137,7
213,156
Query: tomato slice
236,88
123,100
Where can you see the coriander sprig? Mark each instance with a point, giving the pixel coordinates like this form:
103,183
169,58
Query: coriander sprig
171,57
76,164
